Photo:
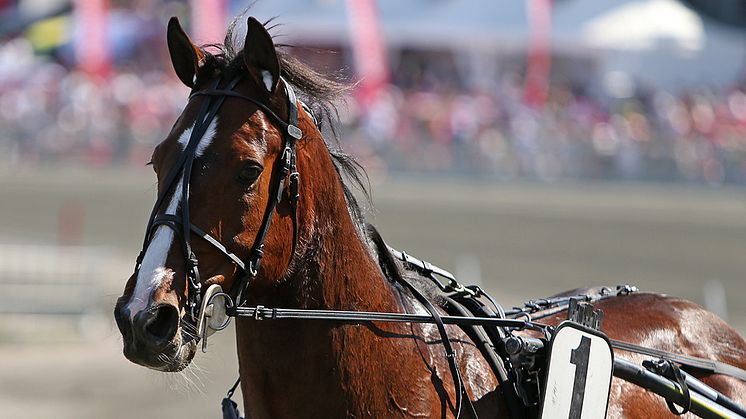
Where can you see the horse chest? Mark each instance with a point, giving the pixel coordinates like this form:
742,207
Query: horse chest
344,371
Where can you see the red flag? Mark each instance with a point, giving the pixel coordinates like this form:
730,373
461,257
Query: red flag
539,55
209,19
368,48
92,45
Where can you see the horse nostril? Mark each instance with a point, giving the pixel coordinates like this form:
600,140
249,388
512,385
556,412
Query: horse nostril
162,323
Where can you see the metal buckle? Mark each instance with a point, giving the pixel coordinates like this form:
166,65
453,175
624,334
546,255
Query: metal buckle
259,313
626,289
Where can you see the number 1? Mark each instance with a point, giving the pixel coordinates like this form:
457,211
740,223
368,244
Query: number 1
579,357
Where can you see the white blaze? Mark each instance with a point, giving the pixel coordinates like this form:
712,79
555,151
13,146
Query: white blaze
153,270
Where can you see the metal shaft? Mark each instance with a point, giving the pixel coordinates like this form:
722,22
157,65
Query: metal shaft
700,406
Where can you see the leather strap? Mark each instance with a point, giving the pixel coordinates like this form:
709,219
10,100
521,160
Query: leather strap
458,383
450,354
715,367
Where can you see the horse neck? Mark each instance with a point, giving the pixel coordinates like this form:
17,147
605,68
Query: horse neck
285,365
337,269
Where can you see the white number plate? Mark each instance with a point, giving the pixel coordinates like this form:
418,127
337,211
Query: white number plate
579,374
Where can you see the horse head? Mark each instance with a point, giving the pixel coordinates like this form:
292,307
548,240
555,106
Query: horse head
222,171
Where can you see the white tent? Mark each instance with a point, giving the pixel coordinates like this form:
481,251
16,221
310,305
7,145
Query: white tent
660,42
645,25
421,23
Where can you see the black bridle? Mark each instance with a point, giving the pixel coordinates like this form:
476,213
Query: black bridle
284,169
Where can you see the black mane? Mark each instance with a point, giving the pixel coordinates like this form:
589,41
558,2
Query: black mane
319,93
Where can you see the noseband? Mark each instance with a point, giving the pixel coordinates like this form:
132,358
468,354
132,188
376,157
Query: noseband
285,167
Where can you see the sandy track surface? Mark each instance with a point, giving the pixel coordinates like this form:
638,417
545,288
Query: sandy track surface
520,240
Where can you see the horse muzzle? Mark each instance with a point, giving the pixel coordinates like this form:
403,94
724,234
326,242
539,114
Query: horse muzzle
155,337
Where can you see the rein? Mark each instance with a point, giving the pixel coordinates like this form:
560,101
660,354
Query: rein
662,377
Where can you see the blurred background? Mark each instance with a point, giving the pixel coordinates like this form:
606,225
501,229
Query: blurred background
529,146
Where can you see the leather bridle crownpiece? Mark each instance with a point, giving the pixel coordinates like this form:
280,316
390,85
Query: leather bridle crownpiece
284,169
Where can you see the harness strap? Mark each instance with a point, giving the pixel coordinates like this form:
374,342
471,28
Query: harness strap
171,177
294,134
546,307
436,318
675,374
423,267
193,276
183,166
664,368
174,221
481,337
450,354
264,108
716,367
285,165
494,353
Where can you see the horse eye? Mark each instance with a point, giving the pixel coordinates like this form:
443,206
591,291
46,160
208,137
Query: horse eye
249,173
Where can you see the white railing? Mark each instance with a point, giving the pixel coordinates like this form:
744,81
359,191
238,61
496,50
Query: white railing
43,287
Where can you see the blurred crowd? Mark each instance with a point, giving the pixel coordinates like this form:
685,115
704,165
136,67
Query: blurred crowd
697,136
51,113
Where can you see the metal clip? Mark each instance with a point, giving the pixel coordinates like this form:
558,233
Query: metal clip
459,288
252,269
286,161
295,132
626,289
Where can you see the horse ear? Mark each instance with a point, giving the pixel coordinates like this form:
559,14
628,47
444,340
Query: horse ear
185,56
259,52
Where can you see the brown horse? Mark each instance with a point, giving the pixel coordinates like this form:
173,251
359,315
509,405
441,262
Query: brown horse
294,368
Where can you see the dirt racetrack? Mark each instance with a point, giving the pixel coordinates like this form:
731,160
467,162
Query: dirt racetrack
521,240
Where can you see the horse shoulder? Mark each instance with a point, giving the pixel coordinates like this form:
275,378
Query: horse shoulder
674,325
